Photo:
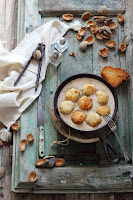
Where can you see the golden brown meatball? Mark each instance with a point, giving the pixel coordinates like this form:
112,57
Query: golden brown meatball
103,110
78,117
72,94
85,103
93,119
66,107
89,89
102,97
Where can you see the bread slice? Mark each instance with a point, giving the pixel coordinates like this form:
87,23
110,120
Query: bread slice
114,76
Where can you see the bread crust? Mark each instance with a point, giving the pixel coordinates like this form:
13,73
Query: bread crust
103,110
85,103
78,117
114,76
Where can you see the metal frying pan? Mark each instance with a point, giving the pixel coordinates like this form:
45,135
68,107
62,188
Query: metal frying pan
100,132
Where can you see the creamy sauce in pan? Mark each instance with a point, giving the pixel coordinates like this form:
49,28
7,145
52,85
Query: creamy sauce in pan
79,84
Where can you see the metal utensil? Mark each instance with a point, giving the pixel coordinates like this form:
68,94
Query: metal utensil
113,128
41,128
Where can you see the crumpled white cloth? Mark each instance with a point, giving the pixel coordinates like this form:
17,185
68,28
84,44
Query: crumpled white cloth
15,99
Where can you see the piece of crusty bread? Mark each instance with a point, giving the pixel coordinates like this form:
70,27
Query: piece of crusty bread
114,76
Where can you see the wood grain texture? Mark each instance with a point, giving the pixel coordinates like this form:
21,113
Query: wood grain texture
78,7
8,13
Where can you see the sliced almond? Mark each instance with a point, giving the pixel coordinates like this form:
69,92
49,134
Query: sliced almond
67,17
59,162
22,145
90,39
86,16
122,47
90,22
1,143
32,176
111,25
82,31
15,126
103,52
79,37
72,54
94,29
100,18
120,18
30,137
111,43
99,36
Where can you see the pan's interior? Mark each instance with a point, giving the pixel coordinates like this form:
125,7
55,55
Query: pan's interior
79,83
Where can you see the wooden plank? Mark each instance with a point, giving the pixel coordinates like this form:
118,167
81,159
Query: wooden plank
49,88
78,7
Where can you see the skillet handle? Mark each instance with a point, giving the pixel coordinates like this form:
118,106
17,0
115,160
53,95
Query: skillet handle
107,145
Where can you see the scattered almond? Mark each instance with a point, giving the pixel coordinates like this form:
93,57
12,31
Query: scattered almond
103,52
86,16
59,162
72,53
120,18
67,17
32,176
1,143
121,47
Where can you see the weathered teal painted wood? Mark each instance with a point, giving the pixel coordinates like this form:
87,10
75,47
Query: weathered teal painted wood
49,88
78,7
87,177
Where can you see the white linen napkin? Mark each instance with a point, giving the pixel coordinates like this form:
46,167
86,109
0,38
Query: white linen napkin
15,99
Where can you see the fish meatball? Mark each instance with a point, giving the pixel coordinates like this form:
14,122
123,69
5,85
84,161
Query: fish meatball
85,103
93,119
103,110
102,97
66,107
78,117
72,94
89,89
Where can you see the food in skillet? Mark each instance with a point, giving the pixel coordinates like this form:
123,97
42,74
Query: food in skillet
93,119
89,89
85,103
103,110
72,94
78,117
102,97
66,107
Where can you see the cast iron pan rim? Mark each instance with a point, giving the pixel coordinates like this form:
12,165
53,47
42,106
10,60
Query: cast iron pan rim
83,76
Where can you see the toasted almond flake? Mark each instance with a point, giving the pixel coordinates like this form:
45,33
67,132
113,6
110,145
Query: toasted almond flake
67,17
90,39
72,54
103,52
90,22
82,31
99,36
120,18
111,43
122,48
79,37
32,176
86,16
59,162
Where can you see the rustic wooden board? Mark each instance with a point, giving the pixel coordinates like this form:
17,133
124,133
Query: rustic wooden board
75,154
78,7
